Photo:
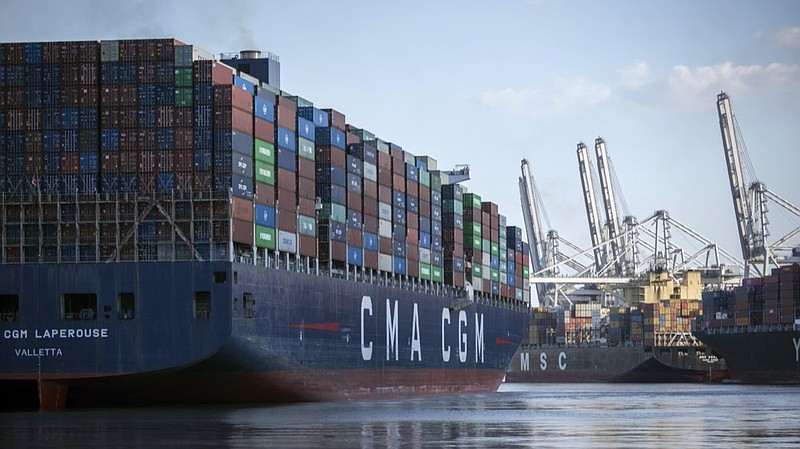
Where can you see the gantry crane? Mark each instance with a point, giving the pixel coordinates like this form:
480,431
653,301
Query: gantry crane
610,204
750,199
590,201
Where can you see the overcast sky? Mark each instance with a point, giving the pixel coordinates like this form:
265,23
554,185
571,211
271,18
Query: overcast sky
488,83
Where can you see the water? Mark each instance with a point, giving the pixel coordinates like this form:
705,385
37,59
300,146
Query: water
518,416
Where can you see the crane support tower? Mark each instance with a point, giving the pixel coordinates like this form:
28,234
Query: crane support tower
609,201
533,225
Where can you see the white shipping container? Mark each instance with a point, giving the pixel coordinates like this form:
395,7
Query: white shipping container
425,255
385,228
385,211
486,271
486,259
287,242
109,51
385,262
370,171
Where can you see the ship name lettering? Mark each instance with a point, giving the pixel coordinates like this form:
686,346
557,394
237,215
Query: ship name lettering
15,334
72,333
416,346
366,306
445,348
524,361
796,342
462,345
38,352
391,331
562,361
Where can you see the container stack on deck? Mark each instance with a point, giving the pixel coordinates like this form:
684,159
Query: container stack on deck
137,150
770,301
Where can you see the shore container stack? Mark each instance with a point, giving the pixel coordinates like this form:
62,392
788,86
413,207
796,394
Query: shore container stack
165,153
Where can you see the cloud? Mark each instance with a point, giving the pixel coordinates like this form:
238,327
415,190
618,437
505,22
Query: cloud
690,83
556,99
637,75
786,37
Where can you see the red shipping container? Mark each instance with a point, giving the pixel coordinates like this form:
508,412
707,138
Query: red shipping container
286,179
370,206
371,223
287,118
242,120
424,193
264,194
286,200
242,231
184,180
242,209
201,180
370,189
352,139
399,182
308,246
412,188
264,130
307,206
287,221
354,237
336,119
70,163
184,116
371,259
385,245
354,201
385,194
306,188
412,266
412,220
109,162
184,138
286,103
306,168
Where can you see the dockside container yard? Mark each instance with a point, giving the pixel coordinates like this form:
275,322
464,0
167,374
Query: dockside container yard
129,152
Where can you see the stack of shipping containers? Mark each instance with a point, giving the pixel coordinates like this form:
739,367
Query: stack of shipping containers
152,150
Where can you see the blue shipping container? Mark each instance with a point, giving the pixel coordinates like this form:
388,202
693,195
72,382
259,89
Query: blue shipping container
244,84
305,128
88,162
265,215
424,240
400,265
286,139
354,183
242,164
242,187
353,219
318,117
370,241
287,160
330,136
165,182
355,255
264,109
338,231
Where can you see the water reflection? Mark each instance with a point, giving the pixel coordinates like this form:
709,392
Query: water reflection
590,415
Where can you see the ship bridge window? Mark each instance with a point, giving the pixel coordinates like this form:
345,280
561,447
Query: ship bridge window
9,307
220,277
202,305
79,306
126,306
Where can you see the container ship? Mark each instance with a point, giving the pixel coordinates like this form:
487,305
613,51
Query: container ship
756,327
177,229
650,341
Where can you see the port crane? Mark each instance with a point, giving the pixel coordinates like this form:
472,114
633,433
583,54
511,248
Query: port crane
750,200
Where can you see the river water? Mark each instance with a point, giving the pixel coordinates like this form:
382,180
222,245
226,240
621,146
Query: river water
517,416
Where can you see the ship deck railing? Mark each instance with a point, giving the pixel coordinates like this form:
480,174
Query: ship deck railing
755,328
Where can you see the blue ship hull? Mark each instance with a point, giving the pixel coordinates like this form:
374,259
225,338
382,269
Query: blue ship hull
222,332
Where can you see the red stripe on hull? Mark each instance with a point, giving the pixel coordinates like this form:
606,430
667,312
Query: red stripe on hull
328,327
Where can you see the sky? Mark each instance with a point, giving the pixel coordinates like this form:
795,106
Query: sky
488,83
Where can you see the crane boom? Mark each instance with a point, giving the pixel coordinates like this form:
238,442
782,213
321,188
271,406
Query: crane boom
590,201
533,225
609,201
736,176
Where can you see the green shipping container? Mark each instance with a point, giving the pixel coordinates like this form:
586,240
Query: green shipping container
486,246
437,274
452,206
472,200
335,212
495,275
525,272
476,271
425,271
495,249
265,173
183,77
183,96
307,225
425,178
265,237
305,148
436,183
265,151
